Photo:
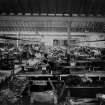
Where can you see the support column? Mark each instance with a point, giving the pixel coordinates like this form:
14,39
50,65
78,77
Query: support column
69,43
69,35
17,43
69,47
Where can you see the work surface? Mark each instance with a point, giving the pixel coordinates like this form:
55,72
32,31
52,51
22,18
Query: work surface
82,73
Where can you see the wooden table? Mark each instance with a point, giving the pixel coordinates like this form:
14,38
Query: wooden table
74,67
83,61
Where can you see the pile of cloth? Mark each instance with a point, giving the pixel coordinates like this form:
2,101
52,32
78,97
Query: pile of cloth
7,97
56,52
17,85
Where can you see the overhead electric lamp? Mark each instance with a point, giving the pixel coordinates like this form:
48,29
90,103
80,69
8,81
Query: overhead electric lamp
35,14
66,14
74,14
3,13
51,14
82,14
99,15
27,14
58,14
86,31
11,13
91,15
19,14
43,14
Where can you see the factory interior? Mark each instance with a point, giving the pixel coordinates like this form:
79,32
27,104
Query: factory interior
52,52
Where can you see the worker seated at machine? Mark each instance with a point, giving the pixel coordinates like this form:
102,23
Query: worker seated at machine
32,63
73,63
38,54
44,64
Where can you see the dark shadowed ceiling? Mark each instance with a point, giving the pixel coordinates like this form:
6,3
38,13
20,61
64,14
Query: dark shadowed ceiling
53,6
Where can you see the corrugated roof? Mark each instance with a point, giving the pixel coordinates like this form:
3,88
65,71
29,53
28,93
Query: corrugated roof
86,7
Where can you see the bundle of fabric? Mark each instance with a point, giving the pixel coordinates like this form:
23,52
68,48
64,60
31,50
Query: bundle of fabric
7,96
17,85
56,52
